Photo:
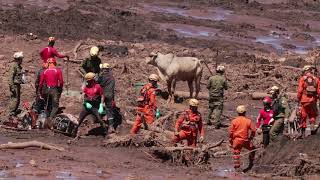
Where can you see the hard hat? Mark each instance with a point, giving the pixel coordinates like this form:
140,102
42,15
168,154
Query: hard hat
51,39
94,51
241,109
220,68
104,66
267,100
194,102
307,67
154,77
89,76
51,60
18,55
274,89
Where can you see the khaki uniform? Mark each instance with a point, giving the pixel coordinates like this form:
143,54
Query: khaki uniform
91,65
15,82
281,109
216,86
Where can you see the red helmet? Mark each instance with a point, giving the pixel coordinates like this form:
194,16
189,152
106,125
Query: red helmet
267,100
51,60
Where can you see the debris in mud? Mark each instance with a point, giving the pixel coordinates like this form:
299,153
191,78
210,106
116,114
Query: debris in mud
303,37
140,140
114,50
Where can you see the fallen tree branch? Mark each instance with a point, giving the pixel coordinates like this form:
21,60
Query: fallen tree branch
155,129
204,148
162,119
23,145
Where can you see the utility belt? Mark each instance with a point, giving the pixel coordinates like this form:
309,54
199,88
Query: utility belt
54,87
265,127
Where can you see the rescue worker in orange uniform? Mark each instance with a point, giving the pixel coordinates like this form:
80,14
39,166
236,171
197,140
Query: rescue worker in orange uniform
146,104
308,94
242,131
189,124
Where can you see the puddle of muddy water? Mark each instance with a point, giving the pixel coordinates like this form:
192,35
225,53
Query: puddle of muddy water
66,175
210,14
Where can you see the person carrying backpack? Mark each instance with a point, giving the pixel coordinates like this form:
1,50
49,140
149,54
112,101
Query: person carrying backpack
308,93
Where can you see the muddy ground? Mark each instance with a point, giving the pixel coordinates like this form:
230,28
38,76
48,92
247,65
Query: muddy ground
262,43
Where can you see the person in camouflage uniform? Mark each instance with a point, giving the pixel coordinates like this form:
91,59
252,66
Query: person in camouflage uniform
281,109
92,63
15,82
216,86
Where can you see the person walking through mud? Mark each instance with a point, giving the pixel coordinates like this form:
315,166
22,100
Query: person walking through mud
92,63
308,94
107,82
93,103
265,121
217,85
241,134
147,106
50,51
189,125
54,82
40,104
15,81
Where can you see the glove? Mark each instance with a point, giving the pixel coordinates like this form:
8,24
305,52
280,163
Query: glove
158,114
201,139
101,109
88,105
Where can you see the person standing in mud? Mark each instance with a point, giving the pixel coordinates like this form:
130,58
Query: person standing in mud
265,120
15,82
281,110
40,103
241,134
54,82
92,63
147,106
189,124
107,82
50,51
217,85
308,94
93,103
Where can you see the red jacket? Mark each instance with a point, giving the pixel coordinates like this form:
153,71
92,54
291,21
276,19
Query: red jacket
240,127
49,52
302,92
264,117
53,78
93,92
188,120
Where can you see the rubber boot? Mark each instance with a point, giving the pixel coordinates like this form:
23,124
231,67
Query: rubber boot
303,132
312,129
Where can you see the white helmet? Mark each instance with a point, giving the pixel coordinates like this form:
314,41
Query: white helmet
220,68
18,55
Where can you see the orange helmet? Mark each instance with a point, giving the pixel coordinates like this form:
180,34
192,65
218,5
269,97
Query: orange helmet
52,60
51,39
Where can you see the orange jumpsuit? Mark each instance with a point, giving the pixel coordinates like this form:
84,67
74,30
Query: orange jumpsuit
146,109
308,102
189,124
239,138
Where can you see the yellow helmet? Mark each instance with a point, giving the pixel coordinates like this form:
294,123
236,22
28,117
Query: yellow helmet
94,51
104,66
274,89
154,77
220,68
307,68
51,39
89,76
241,109
194,102
18,55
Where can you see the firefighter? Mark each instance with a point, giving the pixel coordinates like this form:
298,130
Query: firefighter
107,82
308,93
40,103
242,132
281,112
15,82
189,125
93,103
217,85
265,120
50,51
54,82
147,106
92,63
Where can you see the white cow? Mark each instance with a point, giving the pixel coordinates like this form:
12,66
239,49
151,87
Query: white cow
172,69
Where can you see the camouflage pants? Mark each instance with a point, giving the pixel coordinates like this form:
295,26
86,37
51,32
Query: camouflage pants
14,98
277,128
215,108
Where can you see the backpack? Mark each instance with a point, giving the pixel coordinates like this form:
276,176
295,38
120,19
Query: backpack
311,85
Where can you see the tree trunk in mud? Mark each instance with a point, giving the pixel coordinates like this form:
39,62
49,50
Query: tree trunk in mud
23,145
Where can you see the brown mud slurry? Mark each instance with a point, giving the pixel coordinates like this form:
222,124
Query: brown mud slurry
253,40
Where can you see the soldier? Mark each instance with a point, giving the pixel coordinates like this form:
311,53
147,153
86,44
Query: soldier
281,112
92,63
15,82
216,86
107,82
